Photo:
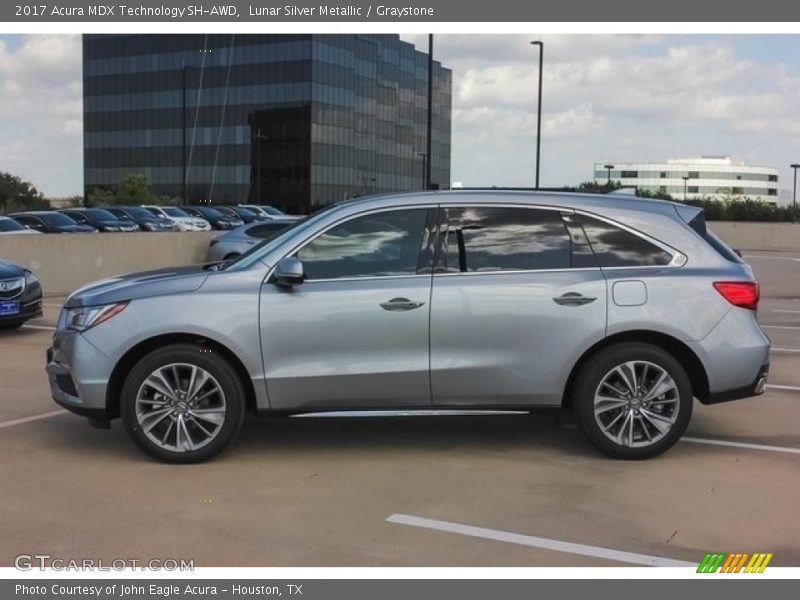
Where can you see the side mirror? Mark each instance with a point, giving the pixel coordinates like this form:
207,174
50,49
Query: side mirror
289,271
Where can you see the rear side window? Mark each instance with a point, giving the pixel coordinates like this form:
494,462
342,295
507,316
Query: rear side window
485,239
616,247
266,230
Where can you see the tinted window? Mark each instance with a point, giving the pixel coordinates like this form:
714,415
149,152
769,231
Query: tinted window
55,218
9,225
174,212
266,230
98,214
76,216
615,247
138,213
504,239
375,245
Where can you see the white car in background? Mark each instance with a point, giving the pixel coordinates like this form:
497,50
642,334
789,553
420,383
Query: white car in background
264,211
184,221
11,227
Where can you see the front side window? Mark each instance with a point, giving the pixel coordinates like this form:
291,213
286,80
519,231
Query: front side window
377,245
616,247
504,239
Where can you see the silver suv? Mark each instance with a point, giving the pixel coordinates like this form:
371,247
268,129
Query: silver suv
618,308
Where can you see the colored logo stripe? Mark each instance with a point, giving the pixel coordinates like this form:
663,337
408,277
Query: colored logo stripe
734,563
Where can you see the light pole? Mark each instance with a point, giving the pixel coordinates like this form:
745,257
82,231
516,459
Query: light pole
540,44
794,192
429,142
685,180
608,168
257,137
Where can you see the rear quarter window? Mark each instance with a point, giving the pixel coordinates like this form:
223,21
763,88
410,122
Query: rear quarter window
616,247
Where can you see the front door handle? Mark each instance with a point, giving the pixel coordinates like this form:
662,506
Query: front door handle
400,304
574,299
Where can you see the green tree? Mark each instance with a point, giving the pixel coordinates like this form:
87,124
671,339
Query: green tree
16,194
75,201
100,196
133,189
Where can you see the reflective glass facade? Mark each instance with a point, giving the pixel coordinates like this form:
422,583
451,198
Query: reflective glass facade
296,121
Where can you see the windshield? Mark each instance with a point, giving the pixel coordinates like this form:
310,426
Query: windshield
243,261
56,219
138,213
10,225
207,211
271,211
174,212
98,214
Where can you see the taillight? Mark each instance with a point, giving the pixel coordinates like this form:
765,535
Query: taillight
744,294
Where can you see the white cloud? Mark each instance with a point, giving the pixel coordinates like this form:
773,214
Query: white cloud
41,112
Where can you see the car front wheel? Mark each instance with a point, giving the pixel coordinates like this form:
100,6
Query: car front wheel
633,400
182,403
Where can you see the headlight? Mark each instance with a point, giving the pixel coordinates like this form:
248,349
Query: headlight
30,278
150,226
83,318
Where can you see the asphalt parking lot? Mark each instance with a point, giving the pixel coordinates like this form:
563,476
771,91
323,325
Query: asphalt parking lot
414,491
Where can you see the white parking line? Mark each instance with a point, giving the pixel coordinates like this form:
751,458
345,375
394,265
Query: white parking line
537,542
785,350
58,305
786,311
42,327
775,386
23,420
780,327
710,442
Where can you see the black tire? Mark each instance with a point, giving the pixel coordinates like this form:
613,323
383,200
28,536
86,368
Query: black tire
194,355
10,325
680,398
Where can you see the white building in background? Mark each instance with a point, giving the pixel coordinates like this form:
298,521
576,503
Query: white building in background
708,176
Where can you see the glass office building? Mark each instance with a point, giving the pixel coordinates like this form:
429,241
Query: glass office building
296,121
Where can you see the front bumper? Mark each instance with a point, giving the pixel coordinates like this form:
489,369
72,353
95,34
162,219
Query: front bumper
30,310
78,375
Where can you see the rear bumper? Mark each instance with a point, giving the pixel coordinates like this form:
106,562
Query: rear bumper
756,388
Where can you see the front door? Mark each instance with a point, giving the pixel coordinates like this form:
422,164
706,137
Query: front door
354,334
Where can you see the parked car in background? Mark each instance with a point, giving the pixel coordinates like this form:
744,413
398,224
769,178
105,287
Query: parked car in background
265,211
9,226
146,220
217,219
237,212
20,295
100,219
182,219
618,308
50,221
231,244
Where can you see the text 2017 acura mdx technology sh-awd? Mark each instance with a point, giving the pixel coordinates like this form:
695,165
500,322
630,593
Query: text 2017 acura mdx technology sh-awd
618,308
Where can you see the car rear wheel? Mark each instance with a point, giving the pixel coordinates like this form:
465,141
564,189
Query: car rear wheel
633,400
182,404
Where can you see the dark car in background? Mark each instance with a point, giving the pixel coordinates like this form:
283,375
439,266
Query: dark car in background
100,219
146,220
20,295
237,212
217,219
50,221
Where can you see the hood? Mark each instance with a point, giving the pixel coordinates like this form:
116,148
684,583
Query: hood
175,280
9,270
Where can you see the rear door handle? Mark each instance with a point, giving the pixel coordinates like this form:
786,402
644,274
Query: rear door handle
400,304
574,299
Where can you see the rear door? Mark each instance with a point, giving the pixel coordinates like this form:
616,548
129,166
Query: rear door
517,298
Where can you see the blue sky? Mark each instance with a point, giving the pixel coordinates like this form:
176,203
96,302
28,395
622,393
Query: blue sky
606,98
